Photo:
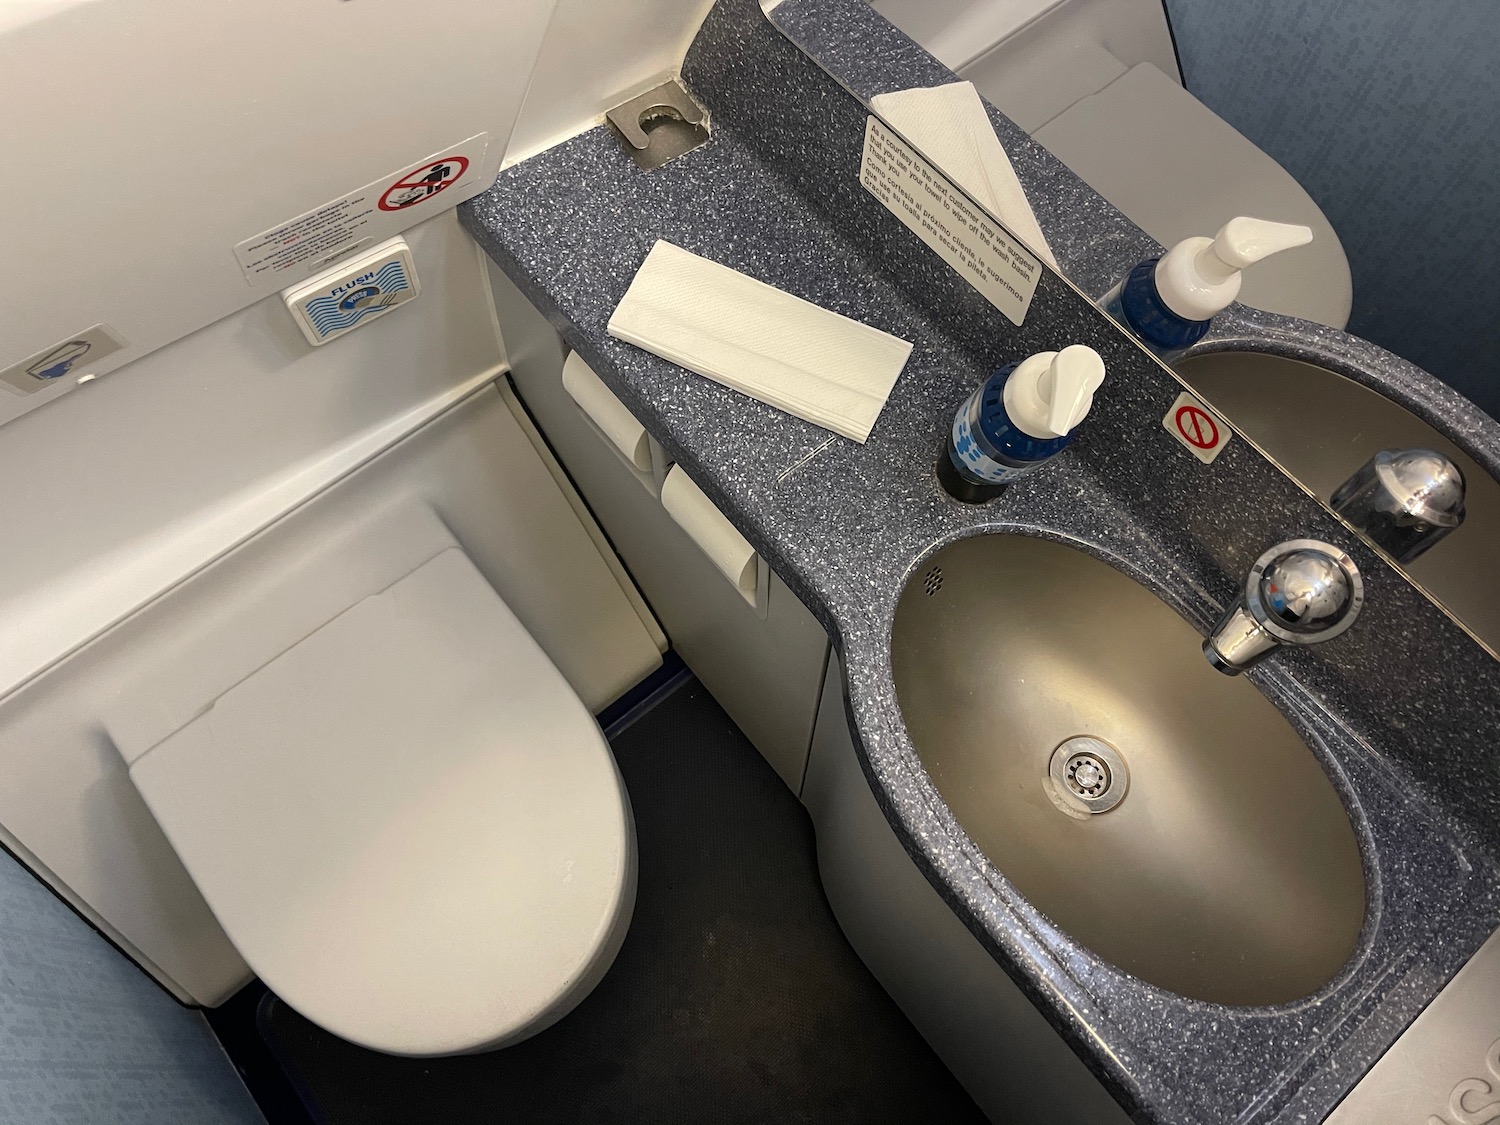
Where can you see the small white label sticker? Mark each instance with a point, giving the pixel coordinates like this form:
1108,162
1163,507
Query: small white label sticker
341,226
981,251
1196,427
72,356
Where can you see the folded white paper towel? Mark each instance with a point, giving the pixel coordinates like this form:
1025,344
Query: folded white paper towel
708,527
950,127
611,415
780,349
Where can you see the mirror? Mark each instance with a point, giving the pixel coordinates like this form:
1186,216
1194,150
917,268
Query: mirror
1322,427
1043,64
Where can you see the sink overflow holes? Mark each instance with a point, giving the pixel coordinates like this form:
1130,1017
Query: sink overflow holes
1086,776
932,581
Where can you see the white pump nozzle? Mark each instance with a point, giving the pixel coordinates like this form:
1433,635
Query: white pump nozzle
1048,394
1242,242
1199,277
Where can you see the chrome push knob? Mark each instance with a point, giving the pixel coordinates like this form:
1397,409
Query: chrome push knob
1404,500
1299,592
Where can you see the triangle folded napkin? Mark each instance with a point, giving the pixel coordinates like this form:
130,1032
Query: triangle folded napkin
950,127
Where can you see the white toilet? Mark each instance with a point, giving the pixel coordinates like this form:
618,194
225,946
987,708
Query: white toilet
1096,83
407,823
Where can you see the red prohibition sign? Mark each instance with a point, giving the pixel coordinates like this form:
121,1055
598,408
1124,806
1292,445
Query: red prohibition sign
424,183
1196,426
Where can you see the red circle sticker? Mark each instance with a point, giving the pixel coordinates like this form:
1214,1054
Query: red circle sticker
1196,426
424,183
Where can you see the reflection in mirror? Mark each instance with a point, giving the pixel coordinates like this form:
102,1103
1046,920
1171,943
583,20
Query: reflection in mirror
1081,77
1096,83
1322,428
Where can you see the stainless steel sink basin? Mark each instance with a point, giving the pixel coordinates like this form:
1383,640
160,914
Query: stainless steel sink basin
1321,427
1228,871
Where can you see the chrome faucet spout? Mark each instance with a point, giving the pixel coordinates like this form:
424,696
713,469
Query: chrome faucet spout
1299,592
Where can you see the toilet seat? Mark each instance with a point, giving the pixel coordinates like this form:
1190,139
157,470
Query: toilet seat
407,823
1178,170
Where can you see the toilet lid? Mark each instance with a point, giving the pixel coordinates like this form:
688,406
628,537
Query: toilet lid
408,824
1177,170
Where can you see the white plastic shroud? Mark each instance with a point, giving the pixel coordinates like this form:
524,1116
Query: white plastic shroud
353,292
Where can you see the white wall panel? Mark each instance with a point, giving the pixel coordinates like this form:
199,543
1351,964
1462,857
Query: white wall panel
144,139
125,487
597,54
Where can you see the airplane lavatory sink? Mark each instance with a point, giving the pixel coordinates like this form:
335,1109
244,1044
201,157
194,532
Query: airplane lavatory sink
1165,816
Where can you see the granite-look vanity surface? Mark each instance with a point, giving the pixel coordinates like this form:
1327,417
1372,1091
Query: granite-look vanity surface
1403,710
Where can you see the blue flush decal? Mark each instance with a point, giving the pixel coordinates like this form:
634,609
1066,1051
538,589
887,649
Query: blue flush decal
353,292
373,293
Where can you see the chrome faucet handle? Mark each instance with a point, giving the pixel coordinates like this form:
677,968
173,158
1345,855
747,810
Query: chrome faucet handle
1299,592
1404,500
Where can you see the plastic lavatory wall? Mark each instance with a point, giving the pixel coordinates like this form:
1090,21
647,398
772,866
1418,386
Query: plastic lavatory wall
597,54
170,163
185,162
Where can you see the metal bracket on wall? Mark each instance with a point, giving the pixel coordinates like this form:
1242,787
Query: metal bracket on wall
659,125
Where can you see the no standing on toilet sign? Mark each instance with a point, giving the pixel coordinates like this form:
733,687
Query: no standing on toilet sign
297,247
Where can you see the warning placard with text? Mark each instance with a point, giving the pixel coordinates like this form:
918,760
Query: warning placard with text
291,250
981,251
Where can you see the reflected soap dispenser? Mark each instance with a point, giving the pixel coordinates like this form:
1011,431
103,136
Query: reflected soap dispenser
1022,415
1168,302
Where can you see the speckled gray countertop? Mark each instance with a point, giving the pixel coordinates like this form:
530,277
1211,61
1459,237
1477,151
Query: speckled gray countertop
1399,709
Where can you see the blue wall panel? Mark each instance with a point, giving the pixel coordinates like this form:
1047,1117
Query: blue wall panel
1388,112
87,1039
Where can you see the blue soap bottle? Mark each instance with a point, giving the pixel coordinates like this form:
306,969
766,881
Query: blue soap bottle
1168,302
1021,416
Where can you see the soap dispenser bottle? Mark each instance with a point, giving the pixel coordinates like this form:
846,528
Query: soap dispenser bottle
1021,416
1167,302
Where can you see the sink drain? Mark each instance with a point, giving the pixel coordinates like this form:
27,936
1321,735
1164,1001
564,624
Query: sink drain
1088,775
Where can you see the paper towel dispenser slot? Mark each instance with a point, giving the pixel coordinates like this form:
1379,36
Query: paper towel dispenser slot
717,538
613,422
